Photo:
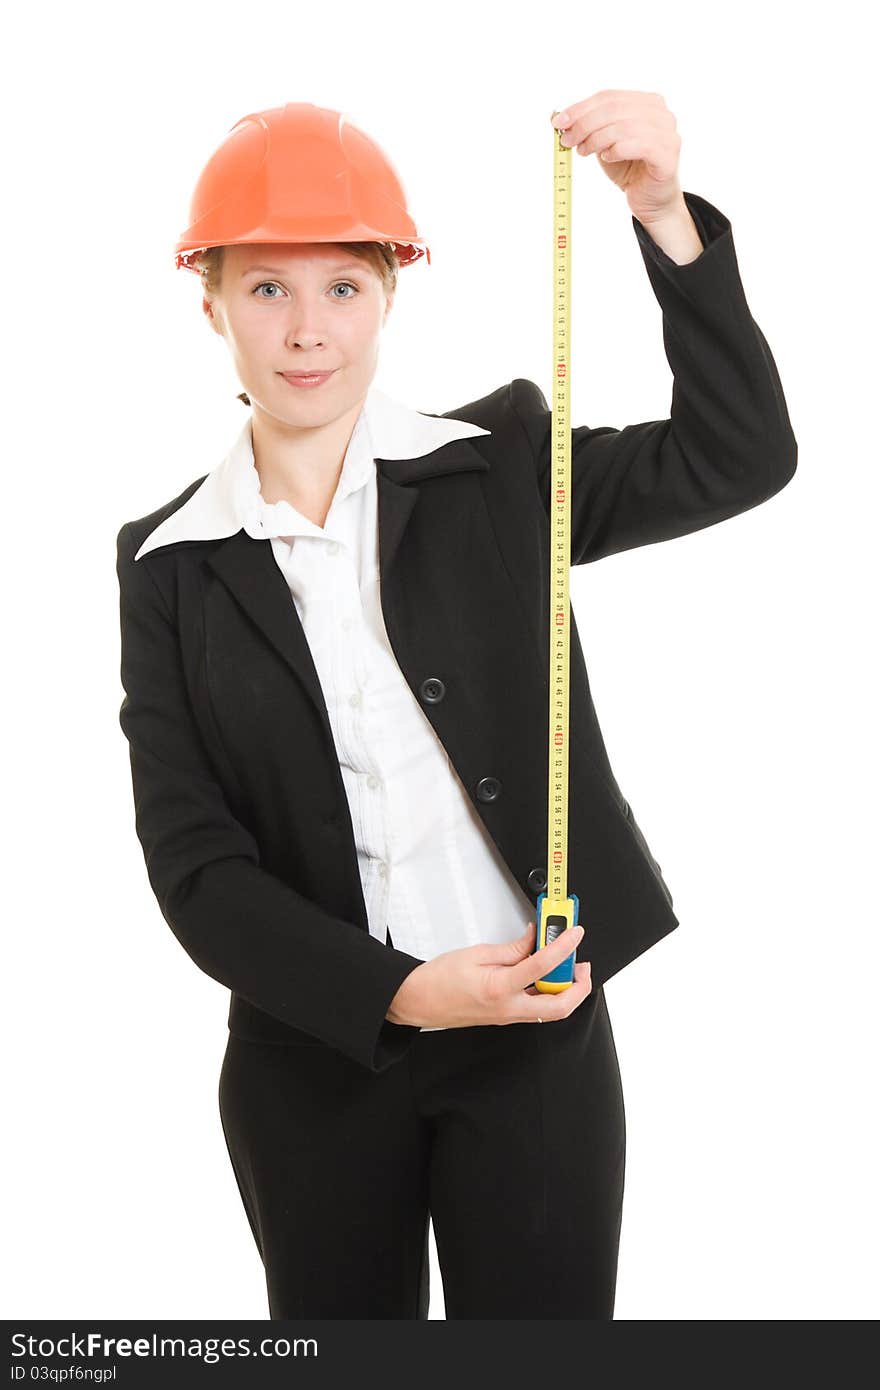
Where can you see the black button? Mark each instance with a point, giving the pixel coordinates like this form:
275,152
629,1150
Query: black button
537,880
432,690
488,789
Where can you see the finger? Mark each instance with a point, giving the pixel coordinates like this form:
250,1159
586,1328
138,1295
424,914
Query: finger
587,117
543,961
626,117
507,952
551,1007
614,99
582,974
597,134
658,154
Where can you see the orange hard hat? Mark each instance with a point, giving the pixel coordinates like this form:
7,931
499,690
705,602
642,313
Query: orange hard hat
298,173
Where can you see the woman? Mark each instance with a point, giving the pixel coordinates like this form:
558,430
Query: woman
334,655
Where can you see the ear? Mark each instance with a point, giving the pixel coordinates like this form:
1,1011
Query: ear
208,310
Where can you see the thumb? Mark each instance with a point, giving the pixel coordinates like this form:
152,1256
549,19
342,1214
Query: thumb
510,952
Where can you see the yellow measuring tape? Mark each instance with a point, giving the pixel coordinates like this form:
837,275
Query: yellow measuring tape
557,911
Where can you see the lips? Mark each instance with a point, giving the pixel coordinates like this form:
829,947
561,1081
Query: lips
307,376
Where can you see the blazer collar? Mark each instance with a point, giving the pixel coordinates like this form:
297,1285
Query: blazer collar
407,445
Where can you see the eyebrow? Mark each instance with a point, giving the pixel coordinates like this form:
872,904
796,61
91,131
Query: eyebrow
276,270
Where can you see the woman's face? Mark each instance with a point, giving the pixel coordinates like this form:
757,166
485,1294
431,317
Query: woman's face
294,308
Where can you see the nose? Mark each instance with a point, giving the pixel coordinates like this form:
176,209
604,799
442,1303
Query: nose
305,325
301,336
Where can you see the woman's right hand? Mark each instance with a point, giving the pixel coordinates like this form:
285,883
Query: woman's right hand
489,983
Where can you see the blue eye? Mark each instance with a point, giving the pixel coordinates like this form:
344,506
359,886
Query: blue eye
265,283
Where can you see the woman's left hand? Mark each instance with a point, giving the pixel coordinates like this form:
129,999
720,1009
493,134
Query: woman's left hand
635,135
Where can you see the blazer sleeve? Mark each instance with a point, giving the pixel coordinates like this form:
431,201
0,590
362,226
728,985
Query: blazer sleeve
243,926
728,444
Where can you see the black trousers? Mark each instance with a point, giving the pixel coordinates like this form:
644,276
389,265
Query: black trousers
512,1139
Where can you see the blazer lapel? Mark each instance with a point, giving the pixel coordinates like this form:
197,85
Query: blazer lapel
248,569
398,479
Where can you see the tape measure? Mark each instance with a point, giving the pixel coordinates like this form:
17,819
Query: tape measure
557,910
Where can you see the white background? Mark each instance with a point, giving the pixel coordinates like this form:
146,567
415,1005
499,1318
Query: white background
732,670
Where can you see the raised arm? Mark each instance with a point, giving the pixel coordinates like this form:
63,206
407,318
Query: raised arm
727,445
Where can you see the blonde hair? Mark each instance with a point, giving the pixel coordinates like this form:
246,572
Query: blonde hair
381,258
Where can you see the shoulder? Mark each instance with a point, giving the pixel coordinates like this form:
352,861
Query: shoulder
132,533
514,415
501,405
518,416
527,399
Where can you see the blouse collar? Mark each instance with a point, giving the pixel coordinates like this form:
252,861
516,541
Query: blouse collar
229,497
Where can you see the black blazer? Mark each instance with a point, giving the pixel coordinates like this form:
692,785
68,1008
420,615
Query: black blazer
240,806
